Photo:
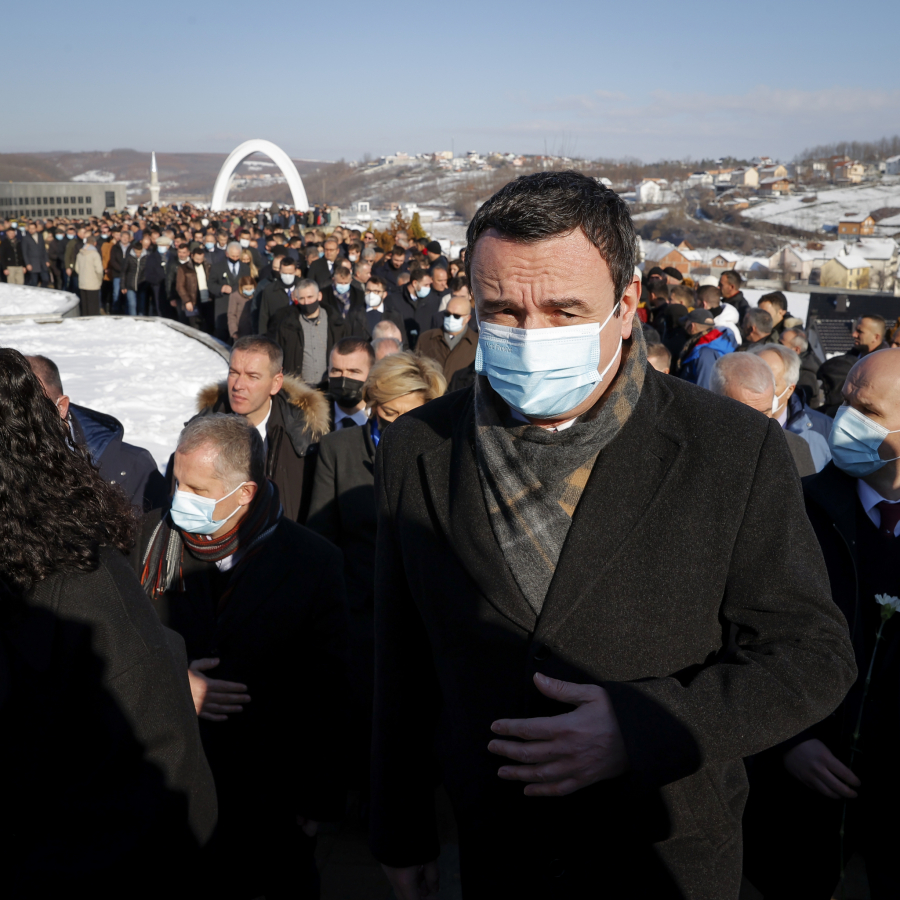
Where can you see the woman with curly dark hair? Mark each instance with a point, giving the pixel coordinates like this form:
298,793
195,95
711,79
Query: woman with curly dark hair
105,787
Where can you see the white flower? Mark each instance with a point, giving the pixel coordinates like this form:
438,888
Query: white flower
889,605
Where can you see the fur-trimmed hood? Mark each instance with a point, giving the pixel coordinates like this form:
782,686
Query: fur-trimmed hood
307,407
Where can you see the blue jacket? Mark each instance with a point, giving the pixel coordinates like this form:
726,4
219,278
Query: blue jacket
819,421
697,366
800,421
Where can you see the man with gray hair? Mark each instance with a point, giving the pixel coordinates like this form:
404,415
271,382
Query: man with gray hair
789,409
223,567
808,384
756,327
306,331
223,279
746,378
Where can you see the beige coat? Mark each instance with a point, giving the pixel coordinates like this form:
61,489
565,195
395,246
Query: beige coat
89,268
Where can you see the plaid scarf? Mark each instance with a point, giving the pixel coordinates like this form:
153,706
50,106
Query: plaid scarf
532,479
164,557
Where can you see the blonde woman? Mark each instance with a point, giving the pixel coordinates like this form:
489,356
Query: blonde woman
247,257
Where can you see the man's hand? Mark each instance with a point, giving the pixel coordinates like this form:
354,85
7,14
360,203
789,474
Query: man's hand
69,272
566,752
28,268
814,765
415,882
189,307
226,289
309,826
214,699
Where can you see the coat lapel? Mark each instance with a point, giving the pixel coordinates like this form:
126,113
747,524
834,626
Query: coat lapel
454,487
626,477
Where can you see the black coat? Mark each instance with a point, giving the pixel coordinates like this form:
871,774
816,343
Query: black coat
134,271
283,634
320,273
276,295
130,467
342,508
833,373
11,253
219,276
737,650
300,417
285,329
389,274
117,255
107,784
34,252
418,316
335,305
357,323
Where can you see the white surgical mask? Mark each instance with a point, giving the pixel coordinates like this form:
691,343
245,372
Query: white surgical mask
287,279
245,244
452,324
776,401
373,300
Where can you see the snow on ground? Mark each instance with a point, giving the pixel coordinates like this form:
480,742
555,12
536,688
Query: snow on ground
651,214
22,300
798,304
142,372
829,206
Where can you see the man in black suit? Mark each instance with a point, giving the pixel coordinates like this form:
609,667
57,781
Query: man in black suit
277,294
342,294
805,792
223,279
530,626
418,304
321,269
391,267
226,579
868,336
377,306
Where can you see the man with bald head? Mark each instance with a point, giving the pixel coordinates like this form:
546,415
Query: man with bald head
746,378
868,336
841,774
453,345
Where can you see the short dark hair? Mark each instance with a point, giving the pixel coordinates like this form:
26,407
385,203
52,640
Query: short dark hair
547,204
681,293
880,323
259,343
342,267
658,288
346,346
776,298
660,352
374,279
48,374
733,278
288,260
418,274
398,251
759,319
709,293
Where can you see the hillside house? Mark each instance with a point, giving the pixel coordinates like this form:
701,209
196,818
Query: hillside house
648,191
696,179
748,177
848,271
849,172
666,254
775,186
856,225
773,171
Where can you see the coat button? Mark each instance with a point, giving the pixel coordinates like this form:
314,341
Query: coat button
541,653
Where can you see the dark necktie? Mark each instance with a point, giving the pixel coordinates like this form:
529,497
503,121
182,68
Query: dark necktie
890,516
346,422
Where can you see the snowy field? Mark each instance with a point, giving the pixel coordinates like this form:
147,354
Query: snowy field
21,300
144,373
829,207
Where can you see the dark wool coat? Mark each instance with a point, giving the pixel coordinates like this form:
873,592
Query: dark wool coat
107,788
285,329
300,417
711,647
283,633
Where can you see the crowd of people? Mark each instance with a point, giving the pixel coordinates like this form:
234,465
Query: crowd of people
422,535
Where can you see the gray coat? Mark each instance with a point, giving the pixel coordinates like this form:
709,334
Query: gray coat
34,252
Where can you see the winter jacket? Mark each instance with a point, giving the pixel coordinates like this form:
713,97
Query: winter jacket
186,284
285,329
299,418
34,252
71,251
11,253
134,270
727,316
117,255
700,355
89,268
800,422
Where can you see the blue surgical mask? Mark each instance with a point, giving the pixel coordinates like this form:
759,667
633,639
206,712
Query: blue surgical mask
342,288
452,324
210,246
247,292
423,292
543,372
163,249
321,253
59,237
194,514
854,443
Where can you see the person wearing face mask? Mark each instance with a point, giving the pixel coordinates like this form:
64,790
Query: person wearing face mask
586,711
240,322
348,368
117,254
418,304
277,294
306,332
342,294
222,567
788,409
749,380
321,269
56,258
454,345
223,281
343,505
377,306
246,242
192,288
839,775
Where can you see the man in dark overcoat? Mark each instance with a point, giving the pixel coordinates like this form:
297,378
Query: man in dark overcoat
583,681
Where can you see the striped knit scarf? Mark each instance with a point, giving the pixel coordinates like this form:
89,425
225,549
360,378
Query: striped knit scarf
532,479
163,559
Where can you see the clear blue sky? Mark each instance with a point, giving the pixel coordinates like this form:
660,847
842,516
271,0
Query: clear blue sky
651,80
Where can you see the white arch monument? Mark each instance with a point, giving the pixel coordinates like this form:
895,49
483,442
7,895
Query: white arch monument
277,155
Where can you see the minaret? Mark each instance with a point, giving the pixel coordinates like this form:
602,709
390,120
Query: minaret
154,181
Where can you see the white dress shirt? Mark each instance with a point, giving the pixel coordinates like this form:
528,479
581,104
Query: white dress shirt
361,416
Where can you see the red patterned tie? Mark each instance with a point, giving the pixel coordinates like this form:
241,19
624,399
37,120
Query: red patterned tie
890,516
